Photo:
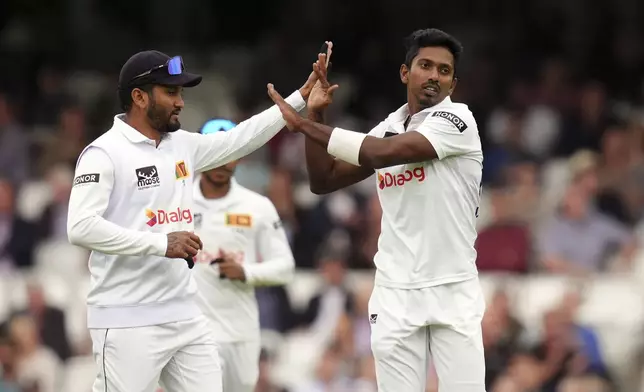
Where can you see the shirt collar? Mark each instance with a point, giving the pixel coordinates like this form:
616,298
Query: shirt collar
402,113
130,133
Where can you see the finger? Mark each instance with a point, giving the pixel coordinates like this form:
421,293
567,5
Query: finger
321,75
328,53
322,60
196,238
274,95
332,89
190,250
192,243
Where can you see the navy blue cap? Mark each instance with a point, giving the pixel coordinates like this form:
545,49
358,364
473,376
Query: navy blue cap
148,60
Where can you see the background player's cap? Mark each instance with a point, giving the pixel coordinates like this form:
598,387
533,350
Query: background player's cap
154,67
217,125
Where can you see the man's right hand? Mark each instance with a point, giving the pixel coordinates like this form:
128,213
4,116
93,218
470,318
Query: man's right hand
182,244
322,94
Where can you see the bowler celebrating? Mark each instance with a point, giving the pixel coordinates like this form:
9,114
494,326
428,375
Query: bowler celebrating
428,162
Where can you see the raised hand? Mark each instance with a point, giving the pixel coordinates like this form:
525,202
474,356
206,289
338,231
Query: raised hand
182,244
306,89
322,94
290,115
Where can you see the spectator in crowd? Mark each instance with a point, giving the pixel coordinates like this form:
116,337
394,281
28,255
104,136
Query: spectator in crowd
36,365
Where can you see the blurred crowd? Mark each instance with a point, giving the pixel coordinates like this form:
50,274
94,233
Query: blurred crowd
561,118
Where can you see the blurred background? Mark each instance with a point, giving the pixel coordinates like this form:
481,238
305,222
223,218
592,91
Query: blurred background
556,87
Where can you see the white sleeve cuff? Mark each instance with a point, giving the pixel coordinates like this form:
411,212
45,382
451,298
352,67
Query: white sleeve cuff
160,243
345,145
296,101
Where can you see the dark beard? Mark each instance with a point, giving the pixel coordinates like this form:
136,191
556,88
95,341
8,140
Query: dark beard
160,120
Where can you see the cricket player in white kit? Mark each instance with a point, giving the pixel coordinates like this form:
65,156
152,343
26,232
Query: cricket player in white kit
132,205
244,246
427,301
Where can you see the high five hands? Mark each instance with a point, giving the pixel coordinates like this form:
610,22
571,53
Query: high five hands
320,96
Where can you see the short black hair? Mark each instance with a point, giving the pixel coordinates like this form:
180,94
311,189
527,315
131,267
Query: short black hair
431,37
125,95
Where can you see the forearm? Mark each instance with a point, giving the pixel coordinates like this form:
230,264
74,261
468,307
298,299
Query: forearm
98,234
373,153
319,162
271,272
219,149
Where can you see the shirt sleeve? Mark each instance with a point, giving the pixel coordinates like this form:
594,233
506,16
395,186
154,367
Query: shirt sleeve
276,264
219,148
451,133
90,196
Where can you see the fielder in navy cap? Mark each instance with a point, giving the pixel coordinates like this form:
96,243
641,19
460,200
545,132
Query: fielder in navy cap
150,87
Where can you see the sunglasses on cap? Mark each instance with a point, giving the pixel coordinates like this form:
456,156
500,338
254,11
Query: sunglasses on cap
174,66
217,125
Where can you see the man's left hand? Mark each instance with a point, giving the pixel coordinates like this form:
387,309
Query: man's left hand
231,268
290,115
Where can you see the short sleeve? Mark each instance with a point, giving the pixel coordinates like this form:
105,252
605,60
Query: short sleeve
451,132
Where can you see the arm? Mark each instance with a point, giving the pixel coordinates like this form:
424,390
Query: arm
277,264
327,174
86,227
441,135
219,148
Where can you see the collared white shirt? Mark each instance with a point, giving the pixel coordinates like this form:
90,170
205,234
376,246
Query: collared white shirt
128,194
429,208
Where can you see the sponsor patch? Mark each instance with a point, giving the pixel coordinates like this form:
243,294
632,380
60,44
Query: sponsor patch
454,119
147,177
86,179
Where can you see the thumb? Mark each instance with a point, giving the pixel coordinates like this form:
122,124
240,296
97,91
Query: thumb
332,89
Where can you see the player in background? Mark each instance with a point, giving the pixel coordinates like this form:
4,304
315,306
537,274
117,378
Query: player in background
244,246
427,157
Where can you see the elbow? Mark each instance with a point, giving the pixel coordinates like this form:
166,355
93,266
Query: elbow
289,272
319,189
76,233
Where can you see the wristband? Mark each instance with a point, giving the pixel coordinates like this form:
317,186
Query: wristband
345,145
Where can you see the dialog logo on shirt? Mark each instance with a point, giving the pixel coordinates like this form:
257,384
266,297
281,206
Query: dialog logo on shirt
160,217
387,180
147,177
181,171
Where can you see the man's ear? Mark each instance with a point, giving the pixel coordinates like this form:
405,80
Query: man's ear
404,73
140,98
453,86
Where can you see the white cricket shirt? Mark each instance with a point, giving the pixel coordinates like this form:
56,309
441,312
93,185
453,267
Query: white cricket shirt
128,194
429,209
247,224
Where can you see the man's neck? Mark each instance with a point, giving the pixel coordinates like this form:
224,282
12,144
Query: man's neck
143,127
213,191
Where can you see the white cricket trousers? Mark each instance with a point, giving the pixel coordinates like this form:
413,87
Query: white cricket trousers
182,356
240,363
444,322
